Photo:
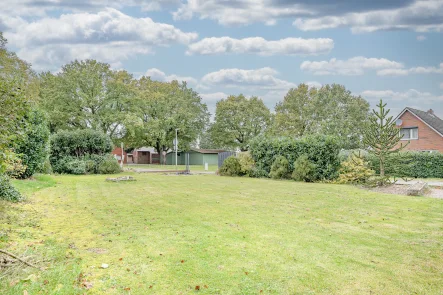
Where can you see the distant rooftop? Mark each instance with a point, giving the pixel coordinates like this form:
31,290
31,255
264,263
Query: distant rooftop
429,118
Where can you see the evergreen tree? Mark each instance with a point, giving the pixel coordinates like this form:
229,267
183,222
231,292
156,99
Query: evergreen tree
382,136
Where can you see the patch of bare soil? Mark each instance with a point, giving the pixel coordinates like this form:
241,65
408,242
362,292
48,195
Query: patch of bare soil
398,189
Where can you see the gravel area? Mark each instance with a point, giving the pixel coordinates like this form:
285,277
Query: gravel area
398,189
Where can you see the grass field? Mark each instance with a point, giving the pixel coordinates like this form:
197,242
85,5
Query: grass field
193,168
166,234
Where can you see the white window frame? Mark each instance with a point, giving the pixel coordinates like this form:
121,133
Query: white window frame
410,133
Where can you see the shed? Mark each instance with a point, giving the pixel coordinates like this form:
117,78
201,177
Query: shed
117,153
196,157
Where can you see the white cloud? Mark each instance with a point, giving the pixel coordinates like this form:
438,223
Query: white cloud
158,75
350,67
421,38
414,70
263,78
420,16
408,96
238,12
260,46
360,16
108,35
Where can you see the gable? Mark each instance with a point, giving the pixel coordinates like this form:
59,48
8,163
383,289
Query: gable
420,116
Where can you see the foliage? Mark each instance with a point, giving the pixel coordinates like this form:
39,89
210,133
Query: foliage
355,170
330,110
304,169
237,120
79,151
246,163
14,166
321,150
410,164
7,191
231,167
33,147
87,94
160,108
382,136
279,168
109,165
18,87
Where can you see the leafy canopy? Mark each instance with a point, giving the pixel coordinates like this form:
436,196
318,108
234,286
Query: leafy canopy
330,110
239,119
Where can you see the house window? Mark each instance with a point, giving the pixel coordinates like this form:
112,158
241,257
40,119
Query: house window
409,133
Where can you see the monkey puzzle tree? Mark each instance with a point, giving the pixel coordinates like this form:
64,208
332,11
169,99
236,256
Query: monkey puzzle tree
382,136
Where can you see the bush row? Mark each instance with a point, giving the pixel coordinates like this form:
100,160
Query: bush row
319,152
88,164
410,164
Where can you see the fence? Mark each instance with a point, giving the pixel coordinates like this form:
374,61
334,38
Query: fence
222,157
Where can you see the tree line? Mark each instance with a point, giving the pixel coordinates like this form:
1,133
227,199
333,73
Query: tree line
141,112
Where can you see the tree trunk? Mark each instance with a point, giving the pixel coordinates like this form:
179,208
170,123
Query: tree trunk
382,166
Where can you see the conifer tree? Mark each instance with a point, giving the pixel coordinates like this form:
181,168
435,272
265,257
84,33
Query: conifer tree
382,136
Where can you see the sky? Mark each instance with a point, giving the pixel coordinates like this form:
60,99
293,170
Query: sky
390,50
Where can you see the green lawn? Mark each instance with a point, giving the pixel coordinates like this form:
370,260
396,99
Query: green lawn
193,168
167,234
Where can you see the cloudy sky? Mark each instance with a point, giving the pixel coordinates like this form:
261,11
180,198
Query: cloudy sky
378,49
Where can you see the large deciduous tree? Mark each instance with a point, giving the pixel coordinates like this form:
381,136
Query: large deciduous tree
159,109
239,119
381,135
18,89
87,94
330,110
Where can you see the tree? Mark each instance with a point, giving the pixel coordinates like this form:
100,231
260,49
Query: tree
87,94
33,148
382,136
159,109
18,88
238,120
330,110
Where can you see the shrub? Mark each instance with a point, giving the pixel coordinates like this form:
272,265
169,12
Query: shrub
79,143
231,167
411,164
46,168
33,146
280,168
7,191
81,152
246,163
109,165
14,166
321,150
355,170
304,169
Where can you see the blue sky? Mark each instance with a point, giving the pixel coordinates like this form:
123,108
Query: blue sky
377,49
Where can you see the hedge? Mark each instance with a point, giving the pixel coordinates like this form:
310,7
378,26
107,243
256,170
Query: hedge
82,152
410,164
320,149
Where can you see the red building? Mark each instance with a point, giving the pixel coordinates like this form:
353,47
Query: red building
117,152
424,130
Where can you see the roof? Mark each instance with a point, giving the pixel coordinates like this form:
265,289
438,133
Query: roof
207,151
201,151
429,118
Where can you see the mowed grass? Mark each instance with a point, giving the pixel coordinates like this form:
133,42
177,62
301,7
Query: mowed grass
167,234
192,168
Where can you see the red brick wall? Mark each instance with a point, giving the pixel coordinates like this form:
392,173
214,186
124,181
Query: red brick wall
427,140
118,152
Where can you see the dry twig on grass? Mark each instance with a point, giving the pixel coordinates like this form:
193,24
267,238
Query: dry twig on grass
18,258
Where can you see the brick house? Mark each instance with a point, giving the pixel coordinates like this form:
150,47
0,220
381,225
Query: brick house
117,152
424,130
144,155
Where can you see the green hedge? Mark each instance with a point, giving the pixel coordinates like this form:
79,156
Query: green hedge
410,164
82,152
7,191
321,150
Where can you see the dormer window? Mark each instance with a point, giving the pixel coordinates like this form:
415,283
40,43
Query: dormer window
409,133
